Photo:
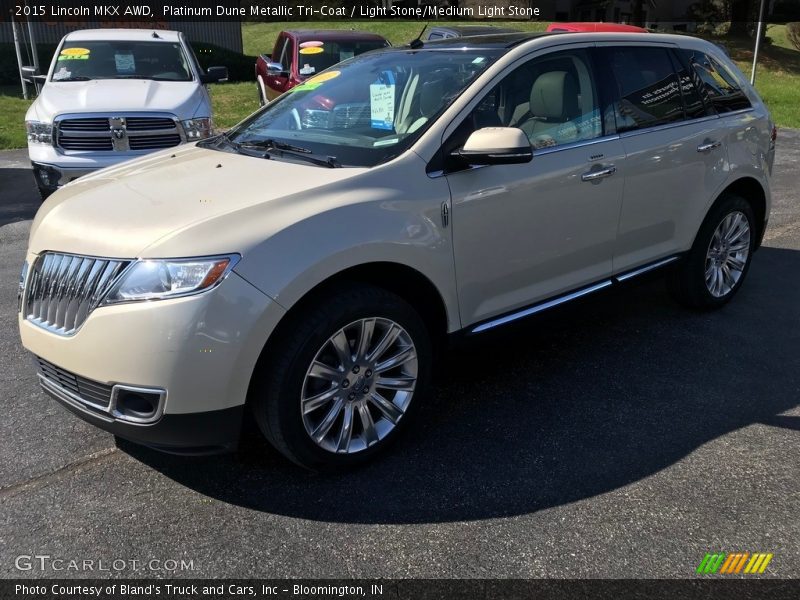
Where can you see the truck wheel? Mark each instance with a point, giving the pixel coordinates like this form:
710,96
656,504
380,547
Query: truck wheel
717,264
343,379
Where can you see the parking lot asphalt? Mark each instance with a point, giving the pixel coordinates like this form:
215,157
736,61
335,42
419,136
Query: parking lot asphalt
621,437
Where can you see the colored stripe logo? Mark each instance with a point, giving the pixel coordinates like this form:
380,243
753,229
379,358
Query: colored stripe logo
728,563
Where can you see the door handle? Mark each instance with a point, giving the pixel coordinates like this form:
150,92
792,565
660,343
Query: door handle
593,175
708,146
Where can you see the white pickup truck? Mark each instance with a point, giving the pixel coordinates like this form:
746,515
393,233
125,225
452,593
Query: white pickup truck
115,94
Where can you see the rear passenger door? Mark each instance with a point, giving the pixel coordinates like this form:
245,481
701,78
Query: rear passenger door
675,153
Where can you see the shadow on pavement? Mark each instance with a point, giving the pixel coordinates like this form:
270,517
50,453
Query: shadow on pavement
567,407
19,199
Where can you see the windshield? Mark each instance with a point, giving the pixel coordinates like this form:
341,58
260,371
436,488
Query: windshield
368,109
316,56
82,61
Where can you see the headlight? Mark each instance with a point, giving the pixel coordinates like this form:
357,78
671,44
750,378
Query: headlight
39,133
161,279
197,129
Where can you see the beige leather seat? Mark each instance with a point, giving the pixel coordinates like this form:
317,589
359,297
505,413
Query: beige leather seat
554,100
430,99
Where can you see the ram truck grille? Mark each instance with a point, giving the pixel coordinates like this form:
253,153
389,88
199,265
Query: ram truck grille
63,289
117,133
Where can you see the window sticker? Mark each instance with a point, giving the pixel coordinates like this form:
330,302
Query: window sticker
312,44
62,73
307,69
74,54
388,142
381,102
125,63
311,50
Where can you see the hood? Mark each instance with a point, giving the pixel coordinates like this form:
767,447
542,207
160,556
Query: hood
123,211
181,98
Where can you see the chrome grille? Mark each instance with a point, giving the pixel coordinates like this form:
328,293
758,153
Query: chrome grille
153,142
145,123
64,288
120,133
97,395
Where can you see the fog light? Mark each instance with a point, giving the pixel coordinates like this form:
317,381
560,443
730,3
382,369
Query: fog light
137,405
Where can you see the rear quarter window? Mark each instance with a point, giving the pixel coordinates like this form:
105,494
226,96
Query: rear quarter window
719,84
647,88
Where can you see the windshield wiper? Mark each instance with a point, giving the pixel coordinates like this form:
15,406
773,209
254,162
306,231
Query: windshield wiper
76,78
294,151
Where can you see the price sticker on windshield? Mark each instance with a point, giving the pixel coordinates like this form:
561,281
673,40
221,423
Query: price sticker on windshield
381,103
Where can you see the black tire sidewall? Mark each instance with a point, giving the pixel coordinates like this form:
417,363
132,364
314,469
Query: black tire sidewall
279,397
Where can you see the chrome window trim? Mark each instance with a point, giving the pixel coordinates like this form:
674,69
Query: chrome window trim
665,126
572,145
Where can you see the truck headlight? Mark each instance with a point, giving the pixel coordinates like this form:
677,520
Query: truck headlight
197,129
39,133
162,279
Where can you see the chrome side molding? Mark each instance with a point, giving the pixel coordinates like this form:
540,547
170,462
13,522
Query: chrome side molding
579,293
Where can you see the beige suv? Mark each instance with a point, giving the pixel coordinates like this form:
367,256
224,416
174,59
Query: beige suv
302,269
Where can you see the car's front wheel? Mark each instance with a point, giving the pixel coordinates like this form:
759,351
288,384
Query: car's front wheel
343,378
717,264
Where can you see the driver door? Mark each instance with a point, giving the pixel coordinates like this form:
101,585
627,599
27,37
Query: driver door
527,232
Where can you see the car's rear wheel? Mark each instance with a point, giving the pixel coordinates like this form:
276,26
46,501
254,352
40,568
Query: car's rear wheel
343,378
719,260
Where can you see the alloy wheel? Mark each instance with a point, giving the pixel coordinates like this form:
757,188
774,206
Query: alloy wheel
359,385
727,254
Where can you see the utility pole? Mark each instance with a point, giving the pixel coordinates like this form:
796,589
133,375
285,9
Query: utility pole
758,42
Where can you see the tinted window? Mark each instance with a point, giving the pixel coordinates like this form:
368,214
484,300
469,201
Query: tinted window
552,98
691,86
719,84
315,56
648,92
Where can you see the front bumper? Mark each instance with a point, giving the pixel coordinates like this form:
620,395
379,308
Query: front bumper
201,350
53,168
209,432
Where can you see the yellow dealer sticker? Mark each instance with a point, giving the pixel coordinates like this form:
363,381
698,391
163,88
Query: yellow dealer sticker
315,82
74,54
324,77
311,50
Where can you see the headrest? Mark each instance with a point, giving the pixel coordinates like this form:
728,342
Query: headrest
554,95
430,97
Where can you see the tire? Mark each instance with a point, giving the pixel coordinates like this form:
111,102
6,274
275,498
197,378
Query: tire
44,193
716,267
344,391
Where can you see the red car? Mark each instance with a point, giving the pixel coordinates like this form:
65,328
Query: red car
596,27
302,53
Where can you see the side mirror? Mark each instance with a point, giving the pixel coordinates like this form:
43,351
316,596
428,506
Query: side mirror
276,69
496,146
215,75
31,75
